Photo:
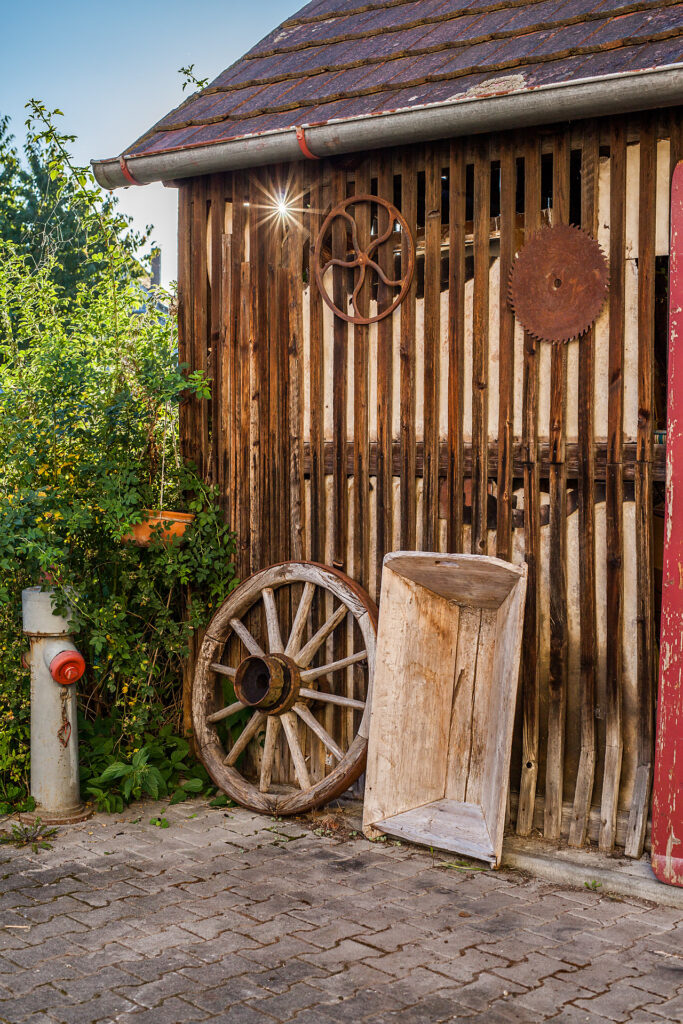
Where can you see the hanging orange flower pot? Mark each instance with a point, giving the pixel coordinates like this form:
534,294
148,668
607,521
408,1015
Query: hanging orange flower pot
173,524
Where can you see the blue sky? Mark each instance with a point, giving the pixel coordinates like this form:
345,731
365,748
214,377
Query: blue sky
112,69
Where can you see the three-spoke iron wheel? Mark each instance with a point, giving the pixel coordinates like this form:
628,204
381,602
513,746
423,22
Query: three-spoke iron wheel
282,688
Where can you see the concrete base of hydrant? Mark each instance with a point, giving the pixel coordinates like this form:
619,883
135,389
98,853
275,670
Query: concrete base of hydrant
65,817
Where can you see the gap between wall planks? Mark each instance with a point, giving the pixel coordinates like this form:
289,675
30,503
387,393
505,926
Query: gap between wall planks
557,575
646,668
338,443
532,540
480,346
614,491
587,604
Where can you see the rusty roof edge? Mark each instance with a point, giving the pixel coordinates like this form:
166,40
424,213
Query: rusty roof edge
469,115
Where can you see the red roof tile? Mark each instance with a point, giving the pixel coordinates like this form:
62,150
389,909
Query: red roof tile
340,59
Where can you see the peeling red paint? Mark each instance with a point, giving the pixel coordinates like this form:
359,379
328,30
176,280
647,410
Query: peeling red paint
667,803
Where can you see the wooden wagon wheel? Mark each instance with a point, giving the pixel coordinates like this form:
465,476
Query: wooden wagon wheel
280,682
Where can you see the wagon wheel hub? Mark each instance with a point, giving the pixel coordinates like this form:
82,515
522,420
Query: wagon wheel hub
269,682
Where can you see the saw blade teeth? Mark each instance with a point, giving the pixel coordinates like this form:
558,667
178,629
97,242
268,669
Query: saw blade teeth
578,262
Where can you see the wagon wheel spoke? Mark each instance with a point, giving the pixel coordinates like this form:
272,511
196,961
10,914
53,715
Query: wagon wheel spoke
306,653
334,666
275,644
246,638
272,731
231,709
247,734
294,642
332,698
289,725
223,670
320,731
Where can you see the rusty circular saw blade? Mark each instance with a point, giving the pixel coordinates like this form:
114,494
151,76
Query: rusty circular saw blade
558,283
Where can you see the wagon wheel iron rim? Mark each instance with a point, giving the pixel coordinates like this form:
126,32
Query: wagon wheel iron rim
364,258
279,683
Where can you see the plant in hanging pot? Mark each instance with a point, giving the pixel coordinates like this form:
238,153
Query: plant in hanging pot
160,523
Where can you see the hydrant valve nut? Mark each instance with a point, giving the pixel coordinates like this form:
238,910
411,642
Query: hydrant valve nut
67,667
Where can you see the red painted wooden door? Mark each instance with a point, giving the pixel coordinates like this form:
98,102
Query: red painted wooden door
667,803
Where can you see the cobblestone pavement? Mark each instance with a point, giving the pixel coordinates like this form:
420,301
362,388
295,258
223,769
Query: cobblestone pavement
227,916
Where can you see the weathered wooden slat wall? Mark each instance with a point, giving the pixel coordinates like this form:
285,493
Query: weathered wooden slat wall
446,427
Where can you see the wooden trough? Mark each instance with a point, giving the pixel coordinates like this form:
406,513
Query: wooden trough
448,654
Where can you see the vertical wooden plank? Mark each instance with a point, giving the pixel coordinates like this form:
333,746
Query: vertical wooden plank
614,496
185,305
506,348
480,346
316,400
216,345
258,423
385,362
339,381
244,467
586,485
557,573
432,348
276,450
361,383
226,369
532,539
200,318
456,341
643,491
294,346
234,335
407,356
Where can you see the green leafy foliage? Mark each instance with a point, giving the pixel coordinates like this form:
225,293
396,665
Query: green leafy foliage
162,768
46,211
90,390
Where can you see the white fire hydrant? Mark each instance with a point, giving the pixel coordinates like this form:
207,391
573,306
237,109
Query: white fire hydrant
56,666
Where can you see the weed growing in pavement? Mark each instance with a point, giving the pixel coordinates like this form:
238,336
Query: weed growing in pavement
33,834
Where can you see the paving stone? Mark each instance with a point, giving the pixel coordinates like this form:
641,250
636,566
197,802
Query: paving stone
171,1011
468,965
228,993
92,986
670,1009
602,972
553,994
287,1004
19,1008
478,994
351,979
534,968
621,1001
109,1005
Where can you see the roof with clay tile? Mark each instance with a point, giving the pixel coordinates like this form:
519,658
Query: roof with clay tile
342,59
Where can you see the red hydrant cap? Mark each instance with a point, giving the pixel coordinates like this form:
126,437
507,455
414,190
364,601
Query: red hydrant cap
67,667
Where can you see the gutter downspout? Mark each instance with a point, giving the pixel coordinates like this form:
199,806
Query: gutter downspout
613,94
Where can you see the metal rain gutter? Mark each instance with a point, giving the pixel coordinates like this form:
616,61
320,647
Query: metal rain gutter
613,94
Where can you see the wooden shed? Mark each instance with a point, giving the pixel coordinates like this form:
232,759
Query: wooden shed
396,401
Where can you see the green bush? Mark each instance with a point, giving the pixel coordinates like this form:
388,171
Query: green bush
90,389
